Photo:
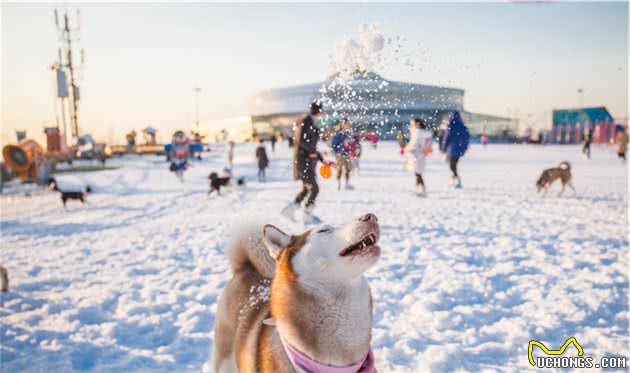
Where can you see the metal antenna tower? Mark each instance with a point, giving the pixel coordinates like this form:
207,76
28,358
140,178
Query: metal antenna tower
66,64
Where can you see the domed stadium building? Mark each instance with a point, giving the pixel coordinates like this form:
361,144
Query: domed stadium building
373,104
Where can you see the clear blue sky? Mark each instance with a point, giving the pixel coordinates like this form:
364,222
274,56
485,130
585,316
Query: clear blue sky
143,60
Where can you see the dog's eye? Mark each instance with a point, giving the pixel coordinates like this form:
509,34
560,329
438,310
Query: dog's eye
325,230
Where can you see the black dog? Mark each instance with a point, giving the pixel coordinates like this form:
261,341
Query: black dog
66,195
217,182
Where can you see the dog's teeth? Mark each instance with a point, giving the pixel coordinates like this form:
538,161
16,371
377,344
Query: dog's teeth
370,240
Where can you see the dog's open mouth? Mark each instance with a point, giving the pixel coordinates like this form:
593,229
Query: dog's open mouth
363,247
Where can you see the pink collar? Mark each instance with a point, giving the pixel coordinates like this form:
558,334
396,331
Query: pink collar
304,364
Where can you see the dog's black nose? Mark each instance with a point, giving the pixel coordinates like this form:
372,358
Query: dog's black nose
368,217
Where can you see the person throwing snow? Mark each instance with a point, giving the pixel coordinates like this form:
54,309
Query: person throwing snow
305,165
417,150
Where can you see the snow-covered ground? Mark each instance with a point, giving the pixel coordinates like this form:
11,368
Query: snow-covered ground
467,277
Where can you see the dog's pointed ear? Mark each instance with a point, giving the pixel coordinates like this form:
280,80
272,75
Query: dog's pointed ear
274,240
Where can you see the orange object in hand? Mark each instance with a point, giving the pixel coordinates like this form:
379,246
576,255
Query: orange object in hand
325,170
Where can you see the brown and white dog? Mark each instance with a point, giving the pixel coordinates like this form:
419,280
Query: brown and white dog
298,295
548,176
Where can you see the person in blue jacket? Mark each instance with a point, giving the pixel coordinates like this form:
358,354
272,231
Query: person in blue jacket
454,144
343,145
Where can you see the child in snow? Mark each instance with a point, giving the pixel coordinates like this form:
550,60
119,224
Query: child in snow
416,151
373,137
400,138
343,145
181,151
263,160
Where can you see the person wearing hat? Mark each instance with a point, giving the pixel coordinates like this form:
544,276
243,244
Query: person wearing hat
305,163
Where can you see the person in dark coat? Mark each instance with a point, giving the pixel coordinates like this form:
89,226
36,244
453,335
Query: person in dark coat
454,144
290,141
622,143
263,160
587,135
305,163
273,142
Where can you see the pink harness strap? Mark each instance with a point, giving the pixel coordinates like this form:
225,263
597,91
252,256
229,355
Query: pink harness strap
304,364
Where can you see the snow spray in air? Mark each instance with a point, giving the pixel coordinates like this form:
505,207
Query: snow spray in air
356,56
355,91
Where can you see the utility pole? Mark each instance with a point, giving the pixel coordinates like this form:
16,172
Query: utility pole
197,91
66,34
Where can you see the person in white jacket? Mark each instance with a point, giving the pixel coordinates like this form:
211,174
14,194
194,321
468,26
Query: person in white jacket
416,151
